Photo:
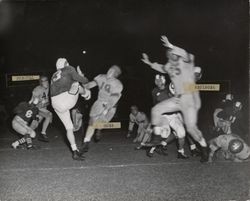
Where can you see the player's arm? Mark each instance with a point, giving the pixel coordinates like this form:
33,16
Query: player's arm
77,77
156,66
91,84
131,124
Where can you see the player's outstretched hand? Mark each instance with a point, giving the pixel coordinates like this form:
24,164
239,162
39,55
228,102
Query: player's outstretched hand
166,42
79,71
145,59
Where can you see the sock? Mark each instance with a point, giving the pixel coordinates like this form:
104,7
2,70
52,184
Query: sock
181,151
192,146
74,147
43,133
28,140
21,141
152,150
163,143
203,142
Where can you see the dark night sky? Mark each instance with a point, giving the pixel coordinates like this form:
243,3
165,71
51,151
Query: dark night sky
38,32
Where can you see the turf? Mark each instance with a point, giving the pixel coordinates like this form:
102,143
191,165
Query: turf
114,171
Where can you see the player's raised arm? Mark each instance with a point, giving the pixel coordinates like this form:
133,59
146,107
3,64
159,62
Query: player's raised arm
155,66
78,77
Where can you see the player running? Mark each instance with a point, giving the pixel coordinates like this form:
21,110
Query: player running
65,90
42,93
24,122
180,68
104,108
232,147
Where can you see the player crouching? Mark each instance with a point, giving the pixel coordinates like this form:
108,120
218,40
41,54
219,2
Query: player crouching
144,130
24,123
42,93
232,148
65,90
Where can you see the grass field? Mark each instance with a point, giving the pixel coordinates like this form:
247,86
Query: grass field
114,171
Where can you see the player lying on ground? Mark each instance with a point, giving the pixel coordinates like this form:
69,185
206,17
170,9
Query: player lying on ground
231,146
143,131
180,68
65,90
226,116
161,93
24,122
104,108
42,93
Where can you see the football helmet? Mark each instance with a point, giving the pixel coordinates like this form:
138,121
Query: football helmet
235,146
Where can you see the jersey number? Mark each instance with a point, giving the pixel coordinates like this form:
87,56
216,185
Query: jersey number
29,114
106,87
57,76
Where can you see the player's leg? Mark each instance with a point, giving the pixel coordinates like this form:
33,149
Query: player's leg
190,119
170,105
67,122
179,130
213,147
216,119
20,126
192,145
47,115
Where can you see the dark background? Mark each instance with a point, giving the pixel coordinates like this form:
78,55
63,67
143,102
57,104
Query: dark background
35,33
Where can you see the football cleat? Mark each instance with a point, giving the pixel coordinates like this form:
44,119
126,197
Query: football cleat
204,154
97,136
43,138
33,147
150,153
77,156
15,145
195,152
162,150
84,148
182,156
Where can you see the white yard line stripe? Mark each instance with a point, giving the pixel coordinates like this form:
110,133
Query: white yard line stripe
112,166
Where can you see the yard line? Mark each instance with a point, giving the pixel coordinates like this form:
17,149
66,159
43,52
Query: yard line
113,166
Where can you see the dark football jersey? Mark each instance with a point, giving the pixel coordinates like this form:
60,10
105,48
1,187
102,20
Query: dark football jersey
26,111
160,95
62,80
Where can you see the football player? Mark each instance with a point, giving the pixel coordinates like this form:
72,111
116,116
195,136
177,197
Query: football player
104,108
181,70
42,93
143,131
24,122
225,116
232,147
65,89
163,92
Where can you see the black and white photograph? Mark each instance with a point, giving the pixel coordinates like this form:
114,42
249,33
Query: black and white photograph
124,100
